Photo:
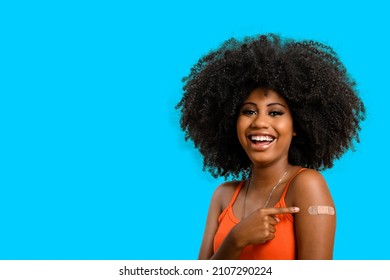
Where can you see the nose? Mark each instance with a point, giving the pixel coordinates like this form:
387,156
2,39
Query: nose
260,121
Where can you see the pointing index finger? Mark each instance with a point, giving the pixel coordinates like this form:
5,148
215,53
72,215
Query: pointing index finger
277,211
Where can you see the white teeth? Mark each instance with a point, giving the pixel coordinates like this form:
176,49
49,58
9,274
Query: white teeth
262,138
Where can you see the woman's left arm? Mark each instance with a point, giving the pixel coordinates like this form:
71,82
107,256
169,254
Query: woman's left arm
315,224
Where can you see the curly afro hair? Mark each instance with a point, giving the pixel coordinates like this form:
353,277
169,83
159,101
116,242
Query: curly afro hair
323,99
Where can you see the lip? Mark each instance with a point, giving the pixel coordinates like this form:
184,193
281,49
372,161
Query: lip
260,146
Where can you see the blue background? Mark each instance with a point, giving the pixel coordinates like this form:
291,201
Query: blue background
93,163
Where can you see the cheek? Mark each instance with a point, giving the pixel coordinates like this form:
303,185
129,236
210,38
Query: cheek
286,128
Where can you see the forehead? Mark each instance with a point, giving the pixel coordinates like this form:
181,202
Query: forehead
260,95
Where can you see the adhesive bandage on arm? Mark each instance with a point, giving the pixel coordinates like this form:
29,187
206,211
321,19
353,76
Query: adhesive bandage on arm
321,210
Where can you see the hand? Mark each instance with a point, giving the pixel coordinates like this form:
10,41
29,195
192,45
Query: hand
259,227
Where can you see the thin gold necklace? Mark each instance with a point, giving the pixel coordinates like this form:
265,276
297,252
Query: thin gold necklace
269,196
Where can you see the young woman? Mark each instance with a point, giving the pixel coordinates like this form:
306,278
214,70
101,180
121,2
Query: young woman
270,112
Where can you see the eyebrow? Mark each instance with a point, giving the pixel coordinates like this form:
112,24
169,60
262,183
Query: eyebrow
268,105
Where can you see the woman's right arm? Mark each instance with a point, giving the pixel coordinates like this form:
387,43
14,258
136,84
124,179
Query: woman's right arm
257,228
227,248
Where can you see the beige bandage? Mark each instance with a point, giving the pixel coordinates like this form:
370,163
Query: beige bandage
321,210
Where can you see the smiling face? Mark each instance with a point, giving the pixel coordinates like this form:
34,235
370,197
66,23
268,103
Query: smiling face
265,127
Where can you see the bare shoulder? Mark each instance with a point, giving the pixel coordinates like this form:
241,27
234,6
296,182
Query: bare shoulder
224,193
315,223
309,187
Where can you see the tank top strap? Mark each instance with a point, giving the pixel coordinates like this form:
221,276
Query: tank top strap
288,183
235,195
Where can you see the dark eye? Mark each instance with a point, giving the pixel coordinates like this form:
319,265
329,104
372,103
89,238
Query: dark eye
248,112
275,113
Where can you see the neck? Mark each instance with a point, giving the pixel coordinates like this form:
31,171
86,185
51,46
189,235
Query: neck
265,176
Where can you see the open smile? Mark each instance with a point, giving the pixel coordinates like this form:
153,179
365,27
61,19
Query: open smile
261,142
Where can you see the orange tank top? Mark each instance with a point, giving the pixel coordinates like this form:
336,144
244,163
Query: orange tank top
282,247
